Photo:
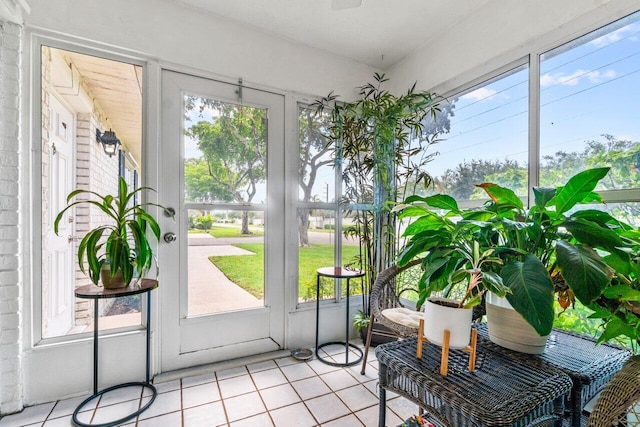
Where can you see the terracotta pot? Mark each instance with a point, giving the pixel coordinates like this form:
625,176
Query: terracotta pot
115,282
508,329
442,314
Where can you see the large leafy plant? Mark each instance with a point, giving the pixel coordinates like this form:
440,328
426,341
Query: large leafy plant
123,243
460,261
553,249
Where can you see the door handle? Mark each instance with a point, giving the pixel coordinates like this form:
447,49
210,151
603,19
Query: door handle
170,237
71,239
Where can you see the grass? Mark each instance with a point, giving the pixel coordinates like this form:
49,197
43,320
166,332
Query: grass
220,231
247,271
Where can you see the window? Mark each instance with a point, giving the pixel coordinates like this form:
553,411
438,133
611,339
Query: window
487,140
78,100
588,115
321,222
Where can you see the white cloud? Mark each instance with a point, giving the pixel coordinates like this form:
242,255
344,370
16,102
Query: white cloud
574,78
480,94
615,36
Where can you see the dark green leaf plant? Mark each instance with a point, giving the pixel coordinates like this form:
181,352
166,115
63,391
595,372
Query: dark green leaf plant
121,244
553,250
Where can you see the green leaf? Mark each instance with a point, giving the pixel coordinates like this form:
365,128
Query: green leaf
442,201
543,195
622,293
409,211
596,216
501,195
493,283
619,262
430,221
577,189
477,215
420,243
531,292
598,312
586,273
593,234
613,328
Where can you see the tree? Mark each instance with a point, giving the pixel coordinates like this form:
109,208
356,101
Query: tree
234,147
315,152
460,181
200,185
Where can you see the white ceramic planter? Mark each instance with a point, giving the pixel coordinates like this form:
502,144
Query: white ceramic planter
508,329
438,318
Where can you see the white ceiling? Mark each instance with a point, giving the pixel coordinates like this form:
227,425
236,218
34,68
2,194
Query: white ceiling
378,32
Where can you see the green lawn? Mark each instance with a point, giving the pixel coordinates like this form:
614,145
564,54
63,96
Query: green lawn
247,271
233,231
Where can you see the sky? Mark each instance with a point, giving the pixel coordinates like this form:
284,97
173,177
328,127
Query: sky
586,90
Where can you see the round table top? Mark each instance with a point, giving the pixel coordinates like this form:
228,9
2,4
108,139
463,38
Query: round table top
98,292
340,272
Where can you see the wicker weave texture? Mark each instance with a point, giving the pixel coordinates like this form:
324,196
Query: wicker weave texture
619,402
590,366
501,392
384,294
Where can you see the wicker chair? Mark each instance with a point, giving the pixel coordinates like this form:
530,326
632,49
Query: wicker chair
619,401
384,296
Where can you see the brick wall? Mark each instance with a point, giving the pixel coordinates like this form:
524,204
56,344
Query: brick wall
10,279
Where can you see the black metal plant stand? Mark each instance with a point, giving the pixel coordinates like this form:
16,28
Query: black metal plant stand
95,293
337,273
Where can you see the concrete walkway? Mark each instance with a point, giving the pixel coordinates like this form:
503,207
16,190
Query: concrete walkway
210,291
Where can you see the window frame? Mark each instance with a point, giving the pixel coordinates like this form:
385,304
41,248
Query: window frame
32,178
533,61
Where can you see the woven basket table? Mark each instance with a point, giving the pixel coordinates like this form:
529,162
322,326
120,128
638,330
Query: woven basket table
502,391
590,366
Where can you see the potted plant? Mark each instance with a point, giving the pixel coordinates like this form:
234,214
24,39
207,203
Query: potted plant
459,263
552,250
372,137
119,251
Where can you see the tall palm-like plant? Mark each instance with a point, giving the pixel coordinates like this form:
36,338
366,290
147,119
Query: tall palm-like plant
122,244
372,139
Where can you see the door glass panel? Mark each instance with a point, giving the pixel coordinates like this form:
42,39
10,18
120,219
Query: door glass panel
225,152
72,158
225,164
226,267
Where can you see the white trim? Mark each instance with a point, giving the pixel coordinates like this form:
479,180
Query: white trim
14,10
533,165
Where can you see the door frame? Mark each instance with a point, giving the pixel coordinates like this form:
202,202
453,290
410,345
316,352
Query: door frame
174,324
56,108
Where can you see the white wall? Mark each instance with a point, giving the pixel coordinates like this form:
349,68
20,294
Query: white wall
191,38
476,46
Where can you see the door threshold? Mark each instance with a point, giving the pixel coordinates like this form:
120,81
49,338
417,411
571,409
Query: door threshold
219,366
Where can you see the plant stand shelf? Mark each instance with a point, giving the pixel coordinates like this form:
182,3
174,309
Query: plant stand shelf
337,273
95,293
444,358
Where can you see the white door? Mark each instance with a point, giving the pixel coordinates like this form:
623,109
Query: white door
59,301
221,280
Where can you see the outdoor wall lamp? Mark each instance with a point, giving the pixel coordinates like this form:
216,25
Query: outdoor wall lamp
109,141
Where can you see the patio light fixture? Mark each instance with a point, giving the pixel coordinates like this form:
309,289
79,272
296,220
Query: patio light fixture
109,140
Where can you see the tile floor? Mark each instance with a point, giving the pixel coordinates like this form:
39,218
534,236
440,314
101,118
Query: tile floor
281,392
